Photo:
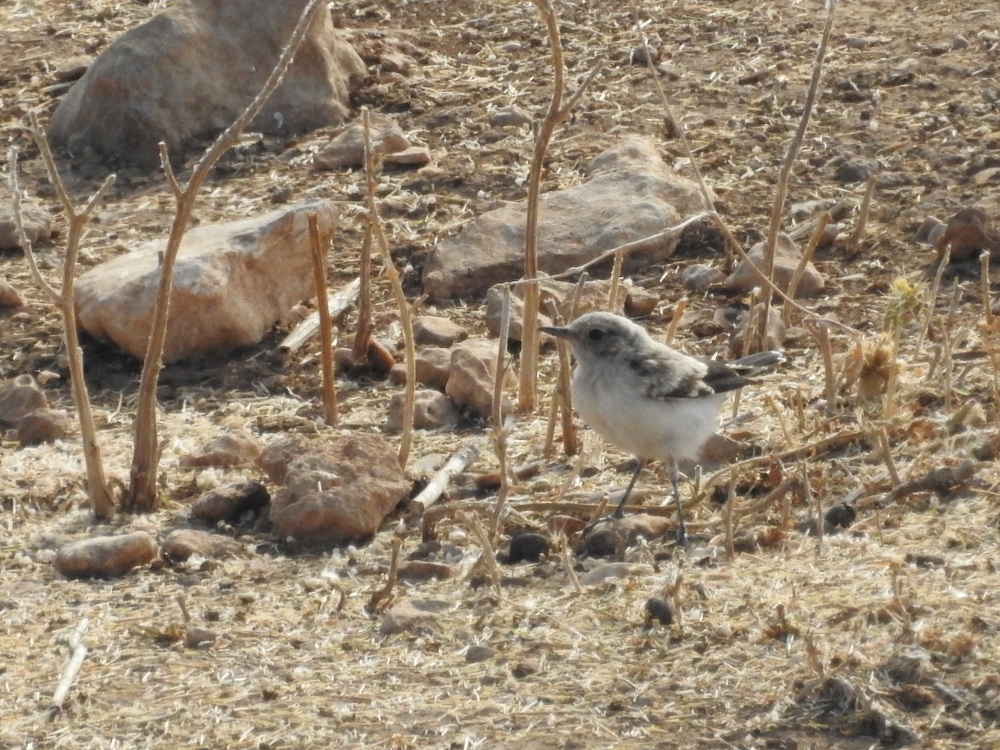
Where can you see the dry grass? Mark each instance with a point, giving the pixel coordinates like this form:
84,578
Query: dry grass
887,634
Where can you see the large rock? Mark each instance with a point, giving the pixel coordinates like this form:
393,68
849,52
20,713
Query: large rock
787,258
334,491
631,195
189,71
232,282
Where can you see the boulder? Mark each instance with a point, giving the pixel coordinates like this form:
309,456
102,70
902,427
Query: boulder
631,194
434,330
787,257
335,490
232,283
189,71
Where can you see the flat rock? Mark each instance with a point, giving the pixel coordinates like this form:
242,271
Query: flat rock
410,615
335,490
435,330
181,544
232,283
230,502
631,194
431,410
190,70
347,148
43,426
105,556
18,398
787,257
231,449
37,223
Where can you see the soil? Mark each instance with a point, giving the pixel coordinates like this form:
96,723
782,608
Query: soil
880,633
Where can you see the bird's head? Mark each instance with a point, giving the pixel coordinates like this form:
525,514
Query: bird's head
598,336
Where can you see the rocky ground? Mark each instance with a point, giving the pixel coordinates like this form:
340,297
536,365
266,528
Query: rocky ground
885,632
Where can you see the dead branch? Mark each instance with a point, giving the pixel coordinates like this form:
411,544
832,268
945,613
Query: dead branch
101,501
455,465
337,304
77,653
500,430
383,597
325,322
363,335
781,189
141,493
405,318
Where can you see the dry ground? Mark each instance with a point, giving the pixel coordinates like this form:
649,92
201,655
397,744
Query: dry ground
884,633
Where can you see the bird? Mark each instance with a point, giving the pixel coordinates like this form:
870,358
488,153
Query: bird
646,398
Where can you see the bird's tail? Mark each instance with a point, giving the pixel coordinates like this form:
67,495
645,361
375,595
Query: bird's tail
755,363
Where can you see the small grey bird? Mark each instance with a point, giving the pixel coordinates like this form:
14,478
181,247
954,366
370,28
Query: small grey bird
646,398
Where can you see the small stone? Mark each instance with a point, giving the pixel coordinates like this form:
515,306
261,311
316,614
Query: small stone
414,156
181,544
411,615
9,296
841,515
659,609
527,547
640,56
612,571
700,276
787,258
431,410
470,377
510,117
18,398
640,302
774,339
105,555
476,654
37,224
199,638
347,149
856,170
425,570
230,502
433,365
434,330
233,449
43,426
73,68
930,229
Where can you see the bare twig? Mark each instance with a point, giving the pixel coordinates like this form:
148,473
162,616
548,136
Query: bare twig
489,556
141,493
567,561
675,321
98,493
945,259
325,322
859,229
500,430
363,335
781,189
78,652
405,318
459,462
383,597
337,304
800,269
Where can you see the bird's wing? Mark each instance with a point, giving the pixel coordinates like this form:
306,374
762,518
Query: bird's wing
667,375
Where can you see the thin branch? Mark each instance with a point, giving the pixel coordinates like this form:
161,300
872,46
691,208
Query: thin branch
325,322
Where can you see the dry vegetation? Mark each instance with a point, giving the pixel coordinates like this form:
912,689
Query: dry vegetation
886,632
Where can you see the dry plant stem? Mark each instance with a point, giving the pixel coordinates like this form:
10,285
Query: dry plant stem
146,455
818,498
405,318
781,189
325,323
779,415
567,562
822,335
555,115
459,462
78,652
800,269
489,554
500,431
675,321
727,517
363,335
984,276
381,598
859,230
945,259
337,303
882,437
101,501
616,280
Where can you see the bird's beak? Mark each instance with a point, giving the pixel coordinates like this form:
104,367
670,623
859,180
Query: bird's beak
561,332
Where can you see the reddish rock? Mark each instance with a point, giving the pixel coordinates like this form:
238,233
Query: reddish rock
232,283
102,556
335,490
18,398
43,426
233,449
230,502
181,544
190,70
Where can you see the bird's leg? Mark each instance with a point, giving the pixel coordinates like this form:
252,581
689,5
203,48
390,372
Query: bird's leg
682,538
620,510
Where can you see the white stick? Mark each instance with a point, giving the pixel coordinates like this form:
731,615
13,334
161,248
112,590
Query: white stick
78,652
440,481
339,303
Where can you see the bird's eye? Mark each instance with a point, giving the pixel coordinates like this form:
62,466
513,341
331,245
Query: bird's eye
595,334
